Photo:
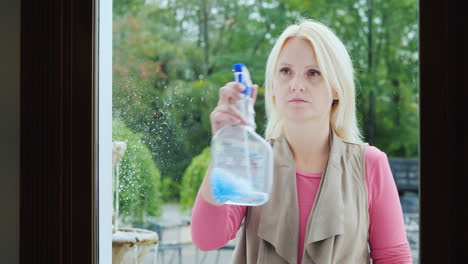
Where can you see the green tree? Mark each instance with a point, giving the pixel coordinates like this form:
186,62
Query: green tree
146,65
382,37
126,6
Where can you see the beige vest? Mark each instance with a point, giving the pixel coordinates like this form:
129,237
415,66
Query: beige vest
337,229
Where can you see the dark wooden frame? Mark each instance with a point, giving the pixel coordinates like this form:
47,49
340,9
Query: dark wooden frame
443,181
58,223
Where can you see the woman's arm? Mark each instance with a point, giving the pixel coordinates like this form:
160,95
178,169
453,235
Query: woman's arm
387,236
213,224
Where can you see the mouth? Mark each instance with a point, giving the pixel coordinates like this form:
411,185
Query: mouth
297,100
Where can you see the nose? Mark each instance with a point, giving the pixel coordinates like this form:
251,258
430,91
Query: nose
296,84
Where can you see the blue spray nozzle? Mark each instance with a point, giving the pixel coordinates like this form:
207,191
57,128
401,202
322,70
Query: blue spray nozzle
238,67
242,75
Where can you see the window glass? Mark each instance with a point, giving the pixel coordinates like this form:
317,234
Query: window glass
169,59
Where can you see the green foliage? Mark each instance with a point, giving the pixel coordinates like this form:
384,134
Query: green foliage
193,178
169,188
170,59
126,6
174,124
139,178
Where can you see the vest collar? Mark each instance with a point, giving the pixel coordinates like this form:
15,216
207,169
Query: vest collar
279,224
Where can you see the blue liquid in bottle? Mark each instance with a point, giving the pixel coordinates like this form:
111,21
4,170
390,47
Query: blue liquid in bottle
242,172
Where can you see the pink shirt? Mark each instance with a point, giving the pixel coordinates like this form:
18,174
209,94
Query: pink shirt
307,185
213,226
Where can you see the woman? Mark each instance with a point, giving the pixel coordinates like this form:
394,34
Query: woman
334,199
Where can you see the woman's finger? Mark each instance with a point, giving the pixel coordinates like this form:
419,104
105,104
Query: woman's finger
230,93
220,119
225,118
230,109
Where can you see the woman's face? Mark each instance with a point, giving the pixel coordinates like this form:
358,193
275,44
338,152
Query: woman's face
300,90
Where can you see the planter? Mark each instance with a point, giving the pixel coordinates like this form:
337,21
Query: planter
134,246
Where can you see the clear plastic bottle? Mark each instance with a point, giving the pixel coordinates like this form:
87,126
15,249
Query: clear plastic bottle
242,161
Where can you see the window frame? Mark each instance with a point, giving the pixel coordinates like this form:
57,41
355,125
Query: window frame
58,148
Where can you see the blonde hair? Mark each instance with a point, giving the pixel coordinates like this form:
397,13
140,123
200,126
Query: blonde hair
337,70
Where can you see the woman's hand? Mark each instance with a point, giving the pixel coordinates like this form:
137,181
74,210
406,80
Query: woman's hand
226,111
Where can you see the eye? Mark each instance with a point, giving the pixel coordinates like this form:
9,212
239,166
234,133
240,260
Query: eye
285,71
313,73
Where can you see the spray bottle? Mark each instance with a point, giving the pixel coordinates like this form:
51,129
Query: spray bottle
242,172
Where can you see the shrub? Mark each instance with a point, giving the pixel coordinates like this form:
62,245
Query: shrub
139,180
192,179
